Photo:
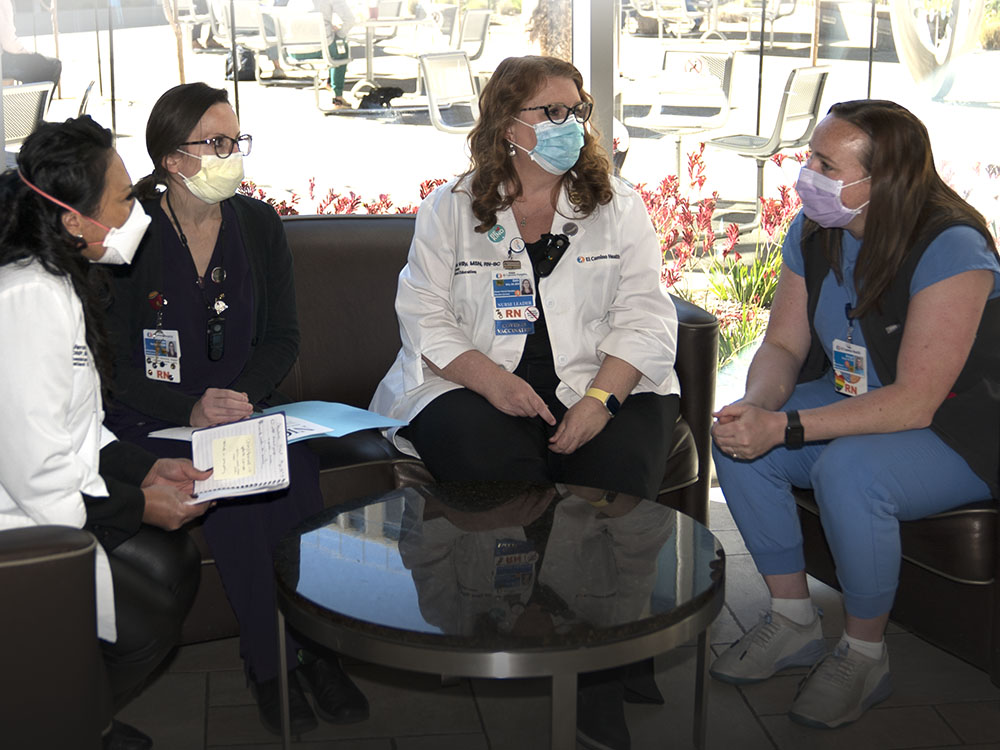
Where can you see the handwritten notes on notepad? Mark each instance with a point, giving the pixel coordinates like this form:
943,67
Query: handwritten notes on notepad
247,457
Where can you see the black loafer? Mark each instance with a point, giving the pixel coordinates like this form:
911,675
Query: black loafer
600,716
268,695
125,737
338,699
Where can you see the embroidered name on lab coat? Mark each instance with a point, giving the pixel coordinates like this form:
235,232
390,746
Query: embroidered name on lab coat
594,258
81,355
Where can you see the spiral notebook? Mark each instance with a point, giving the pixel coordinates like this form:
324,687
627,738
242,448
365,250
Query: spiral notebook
247,457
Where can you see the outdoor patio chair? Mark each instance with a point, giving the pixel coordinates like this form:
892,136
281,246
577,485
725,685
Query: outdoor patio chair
798,114
452,98
690,95
186,15
772,12
304,44
24,106
472,33
248,25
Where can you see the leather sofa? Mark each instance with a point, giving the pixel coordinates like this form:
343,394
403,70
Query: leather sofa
346,268
947,581
50,658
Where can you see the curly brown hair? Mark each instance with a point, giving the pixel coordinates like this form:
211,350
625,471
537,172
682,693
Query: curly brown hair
517,79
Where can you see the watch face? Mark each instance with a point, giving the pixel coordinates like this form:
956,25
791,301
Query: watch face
613,404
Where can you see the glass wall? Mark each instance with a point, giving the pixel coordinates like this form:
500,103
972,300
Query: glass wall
668,60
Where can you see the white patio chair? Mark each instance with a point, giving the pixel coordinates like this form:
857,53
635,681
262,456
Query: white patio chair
691,94
452,99
24,107
797,116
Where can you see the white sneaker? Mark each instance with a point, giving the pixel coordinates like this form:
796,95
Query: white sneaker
841,688
773,644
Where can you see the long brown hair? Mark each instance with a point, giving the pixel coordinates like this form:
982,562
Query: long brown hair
908,197
516,79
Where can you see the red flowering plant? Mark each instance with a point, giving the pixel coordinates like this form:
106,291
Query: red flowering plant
682,220
337,203
744,290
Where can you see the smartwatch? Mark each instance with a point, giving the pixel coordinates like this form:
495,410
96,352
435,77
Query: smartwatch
610,401
795,436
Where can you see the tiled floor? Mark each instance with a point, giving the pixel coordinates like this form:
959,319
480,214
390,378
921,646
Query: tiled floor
201,701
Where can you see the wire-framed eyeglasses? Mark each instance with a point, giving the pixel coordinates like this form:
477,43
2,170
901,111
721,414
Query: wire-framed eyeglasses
224,145
559,113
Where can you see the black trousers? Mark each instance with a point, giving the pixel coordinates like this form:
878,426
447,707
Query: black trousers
155,575
461,436
31,67
242,534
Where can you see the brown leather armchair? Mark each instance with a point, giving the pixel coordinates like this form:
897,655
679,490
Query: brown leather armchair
346,270
948,579
50,658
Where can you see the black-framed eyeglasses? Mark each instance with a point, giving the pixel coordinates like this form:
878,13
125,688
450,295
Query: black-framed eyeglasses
559,113
224,145
555,247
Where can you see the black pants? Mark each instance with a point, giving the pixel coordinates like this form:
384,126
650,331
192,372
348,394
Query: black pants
155,574
461,436
31,67
242,534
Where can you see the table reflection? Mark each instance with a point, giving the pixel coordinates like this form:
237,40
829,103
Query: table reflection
504,561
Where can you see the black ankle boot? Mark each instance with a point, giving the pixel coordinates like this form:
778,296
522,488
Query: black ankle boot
338,699
268,695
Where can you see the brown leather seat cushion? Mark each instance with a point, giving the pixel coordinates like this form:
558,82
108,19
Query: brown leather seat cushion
957,544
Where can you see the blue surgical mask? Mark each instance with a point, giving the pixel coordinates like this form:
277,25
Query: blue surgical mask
557,147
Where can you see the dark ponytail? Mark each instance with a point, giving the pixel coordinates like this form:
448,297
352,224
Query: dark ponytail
69,161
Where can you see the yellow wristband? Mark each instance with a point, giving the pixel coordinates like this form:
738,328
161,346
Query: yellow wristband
597,393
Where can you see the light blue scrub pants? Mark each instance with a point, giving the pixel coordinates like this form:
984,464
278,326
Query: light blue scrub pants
864,485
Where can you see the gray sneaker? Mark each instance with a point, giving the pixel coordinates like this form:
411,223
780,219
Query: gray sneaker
771,645
841,688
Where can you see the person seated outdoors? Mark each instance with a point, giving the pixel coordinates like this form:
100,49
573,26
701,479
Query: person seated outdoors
574,383
67,205
17,62
213,277
877,385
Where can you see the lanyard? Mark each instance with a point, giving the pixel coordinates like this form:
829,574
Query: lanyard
848,308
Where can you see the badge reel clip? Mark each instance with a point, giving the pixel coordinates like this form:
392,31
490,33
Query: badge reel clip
215,335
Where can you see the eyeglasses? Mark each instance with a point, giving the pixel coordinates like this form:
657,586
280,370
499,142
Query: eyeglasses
224,145
555,247
559,113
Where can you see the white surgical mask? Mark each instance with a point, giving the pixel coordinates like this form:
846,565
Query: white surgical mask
121,243
217,179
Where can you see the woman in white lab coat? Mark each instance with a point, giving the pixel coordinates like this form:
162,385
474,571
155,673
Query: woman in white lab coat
568,377
574,383
67,205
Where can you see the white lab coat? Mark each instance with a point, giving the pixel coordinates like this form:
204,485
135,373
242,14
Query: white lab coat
51,412
604,297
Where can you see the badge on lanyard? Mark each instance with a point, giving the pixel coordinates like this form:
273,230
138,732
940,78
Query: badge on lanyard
514,310
162,355
850,363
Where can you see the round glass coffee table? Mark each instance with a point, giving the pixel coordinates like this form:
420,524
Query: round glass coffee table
503,580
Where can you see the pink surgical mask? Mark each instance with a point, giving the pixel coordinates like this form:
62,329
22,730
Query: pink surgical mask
120,243
821,199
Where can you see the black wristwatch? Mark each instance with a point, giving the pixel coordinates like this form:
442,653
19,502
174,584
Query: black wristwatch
795,436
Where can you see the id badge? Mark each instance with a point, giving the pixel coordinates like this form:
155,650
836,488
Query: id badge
514,310
161,352
850,367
